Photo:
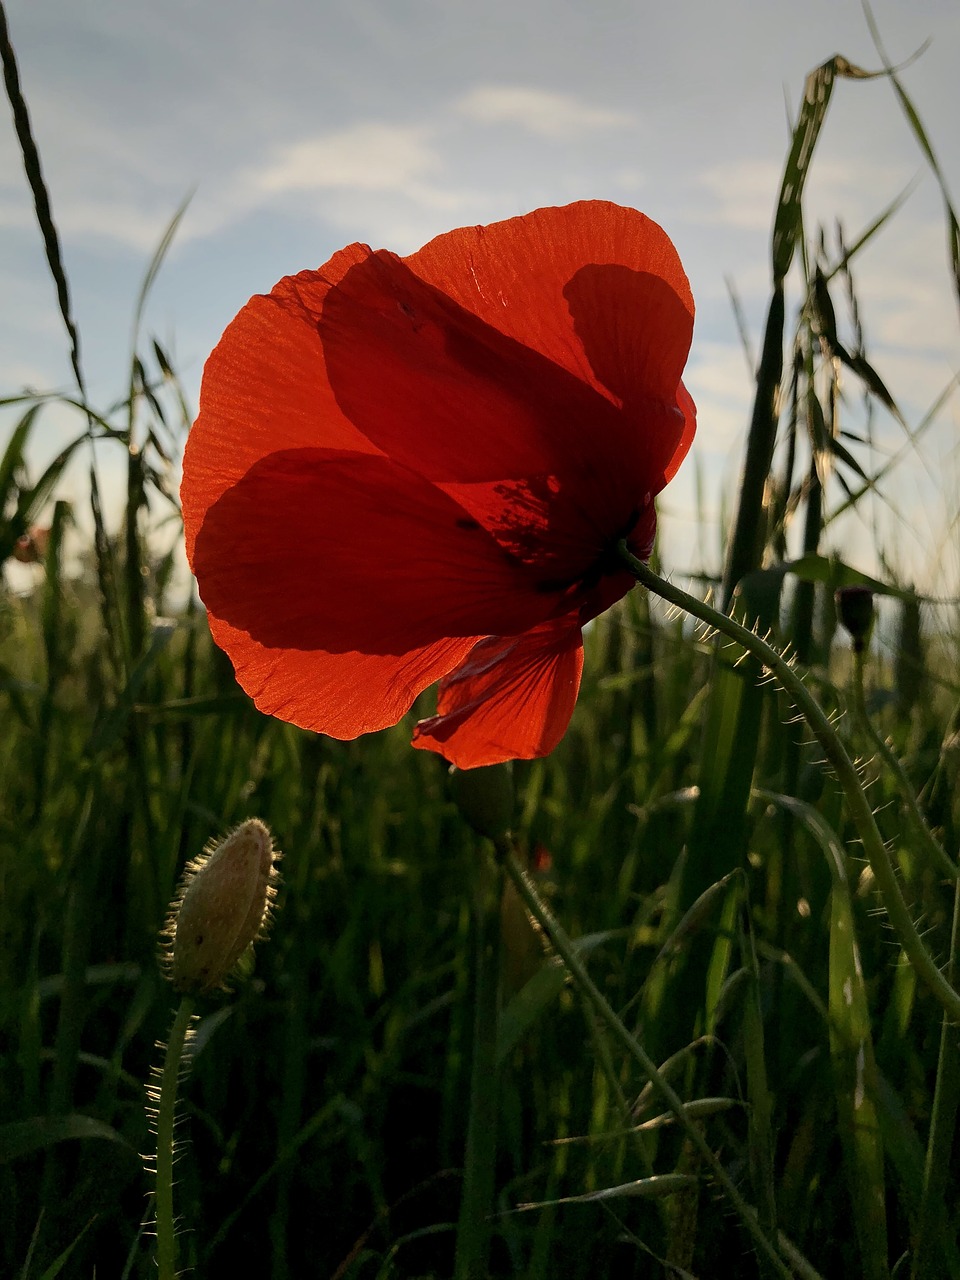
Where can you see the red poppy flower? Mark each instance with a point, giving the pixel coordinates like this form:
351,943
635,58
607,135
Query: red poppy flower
416,469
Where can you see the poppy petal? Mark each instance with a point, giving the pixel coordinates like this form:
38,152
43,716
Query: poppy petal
265,387
595,287
451,396
465,405
689,411
320,549
511,699
364,355
445,394
415,469
340,694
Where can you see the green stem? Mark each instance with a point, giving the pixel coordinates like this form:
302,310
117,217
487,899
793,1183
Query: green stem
565,949
931,1240
605,1058
166,1115
932,1223
743,553
476,1204
933,847
884,875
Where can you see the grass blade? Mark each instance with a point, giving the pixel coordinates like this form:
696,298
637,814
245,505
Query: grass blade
38,188
851,1050
910,111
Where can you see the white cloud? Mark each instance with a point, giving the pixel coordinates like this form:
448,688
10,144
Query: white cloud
401,220
365,164
719,381
739,194
374,156
367,178
743,194
382,169
134,222
630,179
539,111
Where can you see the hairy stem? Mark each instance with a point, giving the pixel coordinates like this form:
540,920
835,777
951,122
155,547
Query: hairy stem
166,1115
934,849
859,806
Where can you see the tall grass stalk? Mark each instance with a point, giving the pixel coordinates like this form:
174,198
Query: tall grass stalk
768,1248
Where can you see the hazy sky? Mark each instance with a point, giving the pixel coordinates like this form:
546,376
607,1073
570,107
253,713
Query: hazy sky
301,126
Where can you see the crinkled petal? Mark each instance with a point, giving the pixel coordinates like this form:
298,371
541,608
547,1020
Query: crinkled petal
595,287
511,699
340,694
395,458
265,388
319,549
452,396
689,411
562,380
528,447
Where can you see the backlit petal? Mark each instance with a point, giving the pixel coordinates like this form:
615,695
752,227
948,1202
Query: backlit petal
689,411
479,413
595,287
265,388
340,694
319,549
511,699
412,469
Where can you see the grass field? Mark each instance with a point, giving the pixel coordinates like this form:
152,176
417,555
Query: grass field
715,877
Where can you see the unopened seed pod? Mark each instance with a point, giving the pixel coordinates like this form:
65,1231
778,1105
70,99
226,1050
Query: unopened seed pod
223,908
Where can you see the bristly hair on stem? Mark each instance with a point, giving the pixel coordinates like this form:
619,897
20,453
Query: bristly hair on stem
222,908
860,809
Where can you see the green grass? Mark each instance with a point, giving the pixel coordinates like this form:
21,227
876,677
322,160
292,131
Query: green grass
705,866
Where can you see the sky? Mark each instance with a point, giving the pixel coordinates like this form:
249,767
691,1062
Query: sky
298,126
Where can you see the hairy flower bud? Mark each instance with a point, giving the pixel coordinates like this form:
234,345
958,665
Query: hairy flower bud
222,908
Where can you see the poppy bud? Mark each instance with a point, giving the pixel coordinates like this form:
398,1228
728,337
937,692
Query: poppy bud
223,906
855,610
484,797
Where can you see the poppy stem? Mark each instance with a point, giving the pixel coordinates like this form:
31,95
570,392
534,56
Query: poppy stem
791,682
166,1229
476,1203
798,1265
931,1219
935,850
